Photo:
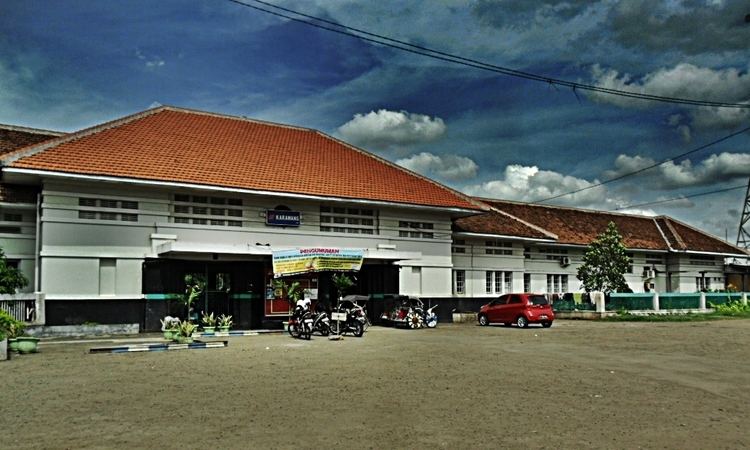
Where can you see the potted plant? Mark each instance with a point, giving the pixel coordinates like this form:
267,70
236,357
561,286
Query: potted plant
185,332
225,322
12,329
170,326
209,322
194,286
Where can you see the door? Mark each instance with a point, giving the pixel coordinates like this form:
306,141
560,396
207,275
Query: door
494,311
513,309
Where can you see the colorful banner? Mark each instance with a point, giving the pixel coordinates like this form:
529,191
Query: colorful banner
305,260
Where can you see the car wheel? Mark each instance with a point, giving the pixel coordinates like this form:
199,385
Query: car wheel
483,321
546,324
522,322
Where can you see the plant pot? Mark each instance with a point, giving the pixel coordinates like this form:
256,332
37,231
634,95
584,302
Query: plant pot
209,329
184,339
27,344
224,329
169,334
13,345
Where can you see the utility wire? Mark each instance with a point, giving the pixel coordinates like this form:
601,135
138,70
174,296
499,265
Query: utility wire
643,169
443,56
680,198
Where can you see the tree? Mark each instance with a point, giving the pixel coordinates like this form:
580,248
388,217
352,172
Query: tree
11,279
605,263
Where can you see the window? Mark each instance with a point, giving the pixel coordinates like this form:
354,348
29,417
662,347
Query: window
349,219
459,281
527,282
415,229
702,284
459,246
700,260
498,248
10,230
186,207
87,202
553,254
8,217
557,283
498,282
527,253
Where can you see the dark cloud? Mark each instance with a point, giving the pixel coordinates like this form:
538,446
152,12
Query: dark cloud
692,27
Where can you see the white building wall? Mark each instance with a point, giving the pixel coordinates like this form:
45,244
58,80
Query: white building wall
105,256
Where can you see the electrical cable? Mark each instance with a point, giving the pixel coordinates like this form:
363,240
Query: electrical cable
643,169
680,198
448,57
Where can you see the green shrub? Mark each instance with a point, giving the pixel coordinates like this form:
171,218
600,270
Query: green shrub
9,326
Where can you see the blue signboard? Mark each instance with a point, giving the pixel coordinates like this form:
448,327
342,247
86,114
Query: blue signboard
282,218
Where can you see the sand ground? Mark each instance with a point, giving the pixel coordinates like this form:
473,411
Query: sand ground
576,385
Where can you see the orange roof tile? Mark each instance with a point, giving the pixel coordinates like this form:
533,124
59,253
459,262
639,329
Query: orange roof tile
580,227
178,145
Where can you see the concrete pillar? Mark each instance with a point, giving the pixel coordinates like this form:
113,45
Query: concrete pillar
41,316
702,305
4,349
655,301
598,299
744,298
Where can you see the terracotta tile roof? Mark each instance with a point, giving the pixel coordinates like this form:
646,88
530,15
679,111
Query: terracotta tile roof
12,137
580,227
178,145
500,223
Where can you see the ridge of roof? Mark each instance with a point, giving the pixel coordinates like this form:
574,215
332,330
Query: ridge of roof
511,216
30,130
570,208
678,239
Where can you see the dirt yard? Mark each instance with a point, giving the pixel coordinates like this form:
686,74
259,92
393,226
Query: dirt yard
576,385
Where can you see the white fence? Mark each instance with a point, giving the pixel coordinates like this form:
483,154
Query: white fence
27,308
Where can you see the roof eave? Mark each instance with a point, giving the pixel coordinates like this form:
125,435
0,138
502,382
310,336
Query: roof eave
177,184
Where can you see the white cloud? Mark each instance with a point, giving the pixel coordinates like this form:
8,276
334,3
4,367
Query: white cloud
682,81
150,61
383,129
529,184
670,175
451,167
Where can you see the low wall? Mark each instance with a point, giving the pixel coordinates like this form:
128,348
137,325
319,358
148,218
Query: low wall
121,329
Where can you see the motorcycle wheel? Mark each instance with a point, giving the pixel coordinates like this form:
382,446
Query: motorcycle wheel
294,330
325,330
432,322
357,329
334,327
306,333
414,320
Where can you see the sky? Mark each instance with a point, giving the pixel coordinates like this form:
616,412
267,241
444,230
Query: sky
70,64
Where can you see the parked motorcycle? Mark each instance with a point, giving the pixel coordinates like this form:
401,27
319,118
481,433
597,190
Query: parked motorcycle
321,323
354,322
301,323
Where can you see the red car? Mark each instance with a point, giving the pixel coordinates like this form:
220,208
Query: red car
521,309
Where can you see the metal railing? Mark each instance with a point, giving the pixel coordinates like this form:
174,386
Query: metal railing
21,307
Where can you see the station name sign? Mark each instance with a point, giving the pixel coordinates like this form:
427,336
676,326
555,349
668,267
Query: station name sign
282,218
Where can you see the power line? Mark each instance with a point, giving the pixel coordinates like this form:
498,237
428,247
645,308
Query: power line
643,169
449,57
680,198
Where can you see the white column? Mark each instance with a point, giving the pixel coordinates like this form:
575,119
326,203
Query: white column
744,298
703,301
598,298
655,301
41,316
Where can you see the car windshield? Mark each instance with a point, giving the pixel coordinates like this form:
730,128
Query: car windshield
537,300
